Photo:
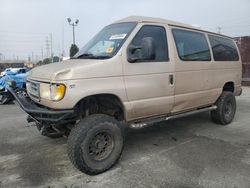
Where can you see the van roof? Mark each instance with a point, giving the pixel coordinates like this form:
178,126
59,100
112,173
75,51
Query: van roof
144,19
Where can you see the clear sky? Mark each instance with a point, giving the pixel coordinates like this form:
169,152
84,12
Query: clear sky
25,24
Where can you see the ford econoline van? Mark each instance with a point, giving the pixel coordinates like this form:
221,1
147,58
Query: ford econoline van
133,73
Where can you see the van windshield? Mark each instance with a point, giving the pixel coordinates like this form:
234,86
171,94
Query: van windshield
107,42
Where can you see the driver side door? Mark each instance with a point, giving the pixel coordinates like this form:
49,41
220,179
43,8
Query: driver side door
149,83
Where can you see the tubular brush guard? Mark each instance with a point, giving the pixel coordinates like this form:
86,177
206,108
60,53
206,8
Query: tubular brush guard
41,114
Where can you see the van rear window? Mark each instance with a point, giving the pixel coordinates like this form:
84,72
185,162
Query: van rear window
223,49
191,46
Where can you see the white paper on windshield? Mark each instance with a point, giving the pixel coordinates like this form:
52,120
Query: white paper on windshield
118,36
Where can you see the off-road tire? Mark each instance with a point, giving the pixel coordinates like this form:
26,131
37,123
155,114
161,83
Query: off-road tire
81,138
226,108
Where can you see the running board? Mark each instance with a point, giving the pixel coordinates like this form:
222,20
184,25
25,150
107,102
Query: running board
150,121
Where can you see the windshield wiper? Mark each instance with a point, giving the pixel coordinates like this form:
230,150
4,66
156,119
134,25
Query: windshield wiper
91,56
85,55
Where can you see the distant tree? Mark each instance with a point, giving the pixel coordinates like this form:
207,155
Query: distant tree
39,62
56,59
44,62
73,50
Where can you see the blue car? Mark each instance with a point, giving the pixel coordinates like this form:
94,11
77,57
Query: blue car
20,79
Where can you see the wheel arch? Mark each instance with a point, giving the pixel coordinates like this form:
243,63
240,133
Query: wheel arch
229,86
106,103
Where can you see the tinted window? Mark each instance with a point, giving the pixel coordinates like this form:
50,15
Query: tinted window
159,36
223,49
191,46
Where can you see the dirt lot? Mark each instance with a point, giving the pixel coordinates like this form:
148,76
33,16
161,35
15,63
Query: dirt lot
188,152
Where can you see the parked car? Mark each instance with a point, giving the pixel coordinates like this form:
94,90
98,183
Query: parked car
19,76
133,73
15,71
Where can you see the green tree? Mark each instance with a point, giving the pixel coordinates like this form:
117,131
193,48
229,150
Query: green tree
73,50
39,62
44,62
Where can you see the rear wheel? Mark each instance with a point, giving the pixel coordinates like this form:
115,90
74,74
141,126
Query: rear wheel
95,144
226,108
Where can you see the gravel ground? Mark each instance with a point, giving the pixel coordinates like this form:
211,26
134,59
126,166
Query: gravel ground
187,152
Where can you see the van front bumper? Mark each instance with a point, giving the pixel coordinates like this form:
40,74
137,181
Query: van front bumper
38,113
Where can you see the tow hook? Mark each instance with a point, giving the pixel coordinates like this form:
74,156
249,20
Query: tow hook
47,131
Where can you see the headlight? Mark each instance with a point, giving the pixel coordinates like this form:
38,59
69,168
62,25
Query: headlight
57,92
54,92
45,91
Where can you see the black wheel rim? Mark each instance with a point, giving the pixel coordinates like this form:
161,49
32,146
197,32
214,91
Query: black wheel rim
100,146
228,109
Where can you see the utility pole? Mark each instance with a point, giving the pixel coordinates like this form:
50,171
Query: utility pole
62,41
47,46
73,24
51,48
32,57
42,52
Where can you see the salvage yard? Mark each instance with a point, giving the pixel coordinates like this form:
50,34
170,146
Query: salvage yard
187,152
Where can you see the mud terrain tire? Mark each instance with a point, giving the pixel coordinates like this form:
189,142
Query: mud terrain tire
95,144
226,108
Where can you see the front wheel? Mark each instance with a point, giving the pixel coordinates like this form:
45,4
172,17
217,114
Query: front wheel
226,108
95,144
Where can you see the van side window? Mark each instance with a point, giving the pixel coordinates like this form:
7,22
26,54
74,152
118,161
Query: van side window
223,49
191,46
159,36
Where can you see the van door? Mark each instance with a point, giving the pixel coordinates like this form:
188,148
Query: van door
149,83
193,86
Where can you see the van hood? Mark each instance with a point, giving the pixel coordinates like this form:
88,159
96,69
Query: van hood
76,69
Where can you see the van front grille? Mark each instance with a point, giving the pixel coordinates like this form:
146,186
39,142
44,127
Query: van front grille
33,89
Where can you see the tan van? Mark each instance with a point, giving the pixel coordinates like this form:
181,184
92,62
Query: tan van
133,73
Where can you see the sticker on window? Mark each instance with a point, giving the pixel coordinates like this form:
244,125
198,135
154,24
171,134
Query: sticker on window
118,36
109,50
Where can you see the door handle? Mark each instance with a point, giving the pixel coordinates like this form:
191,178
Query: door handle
171,79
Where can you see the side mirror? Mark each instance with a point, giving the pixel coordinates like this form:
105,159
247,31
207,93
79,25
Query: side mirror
146,51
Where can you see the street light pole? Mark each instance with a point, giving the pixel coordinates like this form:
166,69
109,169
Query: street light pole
74,42
73,24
